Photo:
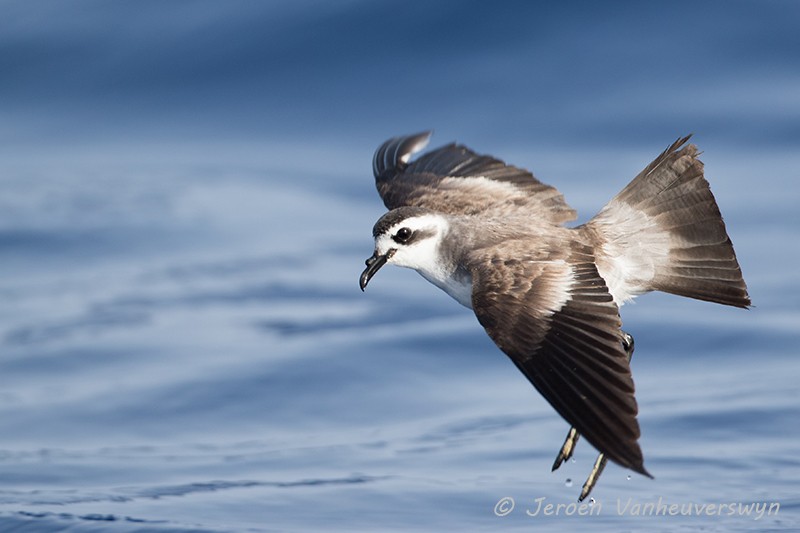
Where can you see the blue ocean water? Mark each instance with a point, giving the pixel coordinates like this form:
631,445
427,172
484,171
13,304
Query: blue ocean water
186,202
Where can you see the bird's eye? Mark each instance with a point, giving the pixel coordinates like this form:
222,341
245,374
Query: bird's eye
402,236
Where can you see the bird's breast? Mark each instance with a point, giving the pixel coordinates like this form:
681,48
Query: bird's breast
458,286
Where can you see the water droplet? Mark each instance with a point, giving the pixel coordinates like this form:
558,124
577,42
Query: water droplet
591,502
629,477
568,482
573,459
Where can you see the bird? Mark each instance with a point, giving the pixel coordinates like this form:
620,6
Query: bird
496,240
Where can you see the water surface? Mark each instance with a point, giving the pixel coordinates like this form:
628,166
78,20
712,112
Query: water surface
185,206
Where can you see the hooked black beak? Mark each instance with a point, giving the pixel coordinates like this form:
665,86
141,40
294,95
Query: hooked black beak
374,264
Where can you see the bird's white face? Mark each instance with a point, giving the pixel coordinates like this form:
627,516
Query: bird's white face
412,242
415,241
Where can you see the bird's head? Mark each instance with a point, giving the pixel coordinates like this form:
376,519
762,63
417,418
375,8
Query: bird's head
407,237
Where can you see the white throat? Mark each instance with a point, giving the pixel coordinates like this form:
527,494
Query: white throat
426,257
459,288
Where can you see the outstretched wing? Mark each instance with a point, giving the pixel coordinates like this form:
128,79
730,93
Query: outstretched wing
554,317
455,180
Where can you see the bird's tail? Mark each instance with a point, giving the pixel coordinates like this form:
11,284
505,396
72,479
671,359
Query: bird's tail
664,232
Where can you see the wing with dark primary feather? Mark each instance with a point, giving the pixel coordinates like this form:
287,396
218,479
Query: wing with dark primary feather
455,180
554,317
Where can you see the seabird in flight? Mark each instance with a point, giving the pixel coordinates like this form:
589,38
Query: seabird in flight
493,237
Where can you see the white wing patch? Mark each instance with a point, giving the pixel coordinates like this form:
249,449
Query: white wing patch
559,293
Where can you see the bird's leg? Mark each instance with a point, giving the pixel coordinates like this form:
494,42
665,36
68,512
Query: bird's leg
572,438
567,448
594,475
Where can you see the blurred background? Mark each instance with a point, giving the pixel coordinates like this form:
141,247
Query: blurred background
186,202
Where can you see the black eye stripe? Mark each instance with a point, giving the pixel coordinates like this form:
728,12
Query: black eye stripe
414,236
